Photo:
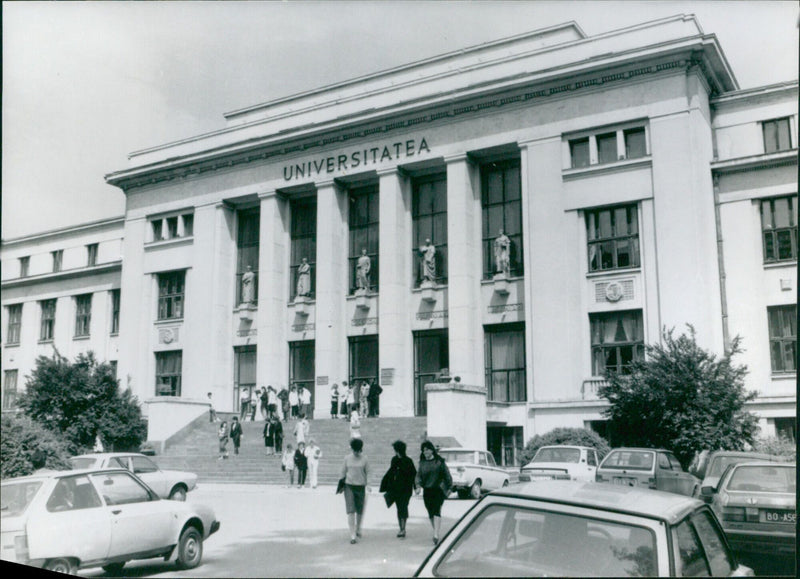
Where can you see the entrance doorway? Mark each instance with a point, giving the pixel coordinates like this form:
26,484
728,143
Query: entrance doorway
301,368
363,360
505,443
431,356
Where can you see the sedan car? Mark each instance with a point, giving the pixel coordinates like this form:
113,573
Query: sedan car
63,521
571,528
169,484
561,462
717,461
757,504
654,468
473,471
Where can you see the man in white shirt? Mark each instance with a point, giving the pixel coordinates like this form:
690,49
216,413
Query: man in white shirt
313,454
244,403
305,401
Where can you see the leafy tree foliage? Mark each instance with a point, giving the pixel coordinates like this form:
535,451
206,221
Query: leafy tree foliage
21,438
776,445
682,398
81,400
566,436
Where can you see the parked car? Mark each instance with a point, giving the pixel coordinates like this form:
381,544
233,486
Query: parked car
654,468
473,471
572,528
717,461
561,462
169,484
66,520
757,504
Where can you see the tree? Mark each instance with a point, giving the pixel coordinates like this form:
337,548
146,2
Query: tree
681,398
567,436
82,400
23,437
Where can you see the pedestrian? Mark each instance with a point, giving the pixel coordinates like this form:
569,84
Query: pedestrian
301,464
269,436
305,401
253,405
434,478
287,463
374,398
272,401
352,399
301,429
265,402
278,433
343,407
212,413
283,396
334,400
244,403
355,425
398,483
355,471
294,400
313,454
222,434
236,434
363,398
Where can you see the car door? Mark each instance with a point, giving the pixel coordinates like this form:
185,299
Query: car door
494,475
666,477
147,470
589,465
684,482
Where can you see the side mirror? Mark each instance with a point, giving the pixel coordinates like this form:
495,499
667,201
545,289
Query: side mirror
707,491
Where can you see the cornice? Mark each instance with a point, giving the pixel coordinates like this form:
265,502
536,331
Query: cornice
61,275
755,162
65,231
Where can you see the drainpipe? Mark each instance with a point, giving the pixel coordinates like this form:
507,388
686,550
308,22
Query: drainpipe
723,294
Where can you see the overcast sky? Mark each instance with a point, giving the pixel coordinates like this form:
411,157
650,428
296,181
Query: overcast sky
86,83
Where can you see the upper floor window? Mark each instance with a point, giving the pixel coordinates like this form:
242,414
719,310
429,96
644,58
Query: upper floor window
57,256
24,265
10,390
170,295
168,373
115,297
613,238
172,227
48,322
247,243
501,201
364,238
779,227
429,214
617,340
579,152
504,350
304,247
14,324
635,143
83,315
608,147
783,337
91,254
777,135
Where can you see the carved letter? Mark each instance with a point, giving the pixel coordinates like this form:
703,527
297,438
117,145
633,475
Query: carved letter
342,161
423,144
355,159
329,164
289,176
320,166
300,170
386,154
410,148
397,150
374,152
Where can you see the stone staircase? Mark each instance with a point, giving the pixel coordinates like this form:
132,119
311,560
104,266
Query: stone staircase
197,449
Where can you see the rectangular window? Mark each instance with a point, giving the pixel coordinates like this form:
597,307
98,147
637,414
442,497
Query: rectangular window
579,152
188,225
363,360
168,373
172,227
364,231
24,265
635,143
115,297
613,238
607,148
91,254
10,390
48,325
14,324
501,201
504,351
783,338
57,256
431,360
244,373
617,340
429,214
777,135
301,367
157,233
304,247
779,228
170,295
249,226
83,315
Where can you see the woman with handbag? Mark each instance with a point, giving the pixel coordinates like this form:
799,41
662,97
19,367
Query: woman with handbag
434,478
354,473
222,434
398,483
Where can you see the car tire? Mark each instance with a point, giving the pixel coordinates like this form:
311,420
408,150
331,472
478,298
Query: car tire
114,568
61,565
190,549
178,493
475,489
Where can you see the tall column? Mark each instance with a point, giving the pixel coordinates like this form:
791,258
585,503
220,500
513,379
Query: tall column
272,366
330,319
223,296
394,343
464,271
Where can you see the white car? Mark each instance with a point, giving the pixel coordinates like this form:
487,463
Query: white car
561,463
169,484
473,471
67,520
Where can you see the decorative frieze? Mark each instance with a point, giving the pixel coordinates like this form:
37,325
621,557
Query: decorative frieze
364,322
506,308
432,315
246,333
613,291
169,335
302,327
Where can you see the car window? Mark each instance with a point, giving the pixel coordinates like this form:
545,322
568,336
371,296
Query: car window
15,497
482,458
143,465
80,462
676,465
120,461
630,459
119,488
458,456
550,454
663,461
710,536
72,494
690,559
591,458
764,479
490,460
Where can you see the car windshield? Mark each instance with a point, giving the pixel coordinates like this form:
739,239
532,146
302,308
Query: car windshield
630,459
82,462
511,541
458,456
16,496
720,463
764,479
554,454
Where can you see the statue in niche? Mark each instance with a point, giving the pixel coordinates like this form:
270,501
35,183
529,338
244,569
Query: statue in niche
303,278
428,264
248,286
502,259
362,271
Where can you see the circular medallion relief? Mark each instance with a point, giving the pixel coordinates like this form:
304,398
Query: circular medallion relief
614,292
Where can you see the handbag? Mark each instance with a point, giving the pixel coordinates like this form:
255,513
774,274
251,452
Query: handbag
340,487
283,467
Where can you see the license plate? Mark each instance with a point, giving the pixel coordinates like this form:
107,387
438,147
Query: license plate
541,477
626,482
768,516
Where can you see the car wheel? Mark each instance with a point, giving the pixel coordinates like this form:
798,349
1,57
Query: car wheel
178,493
475,489
61,565
114,568
190,548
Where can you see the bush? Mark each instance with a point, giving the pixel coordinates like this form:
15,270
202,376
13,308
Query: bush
566,436
776,445
21,437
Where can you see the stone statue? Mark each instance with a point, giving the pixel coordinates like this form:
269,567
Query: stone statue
248,286
303,278
502,259
428,252
362,271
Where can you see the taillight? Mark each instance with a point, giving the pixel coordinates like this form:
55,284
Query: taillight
733,514
21,548
651,482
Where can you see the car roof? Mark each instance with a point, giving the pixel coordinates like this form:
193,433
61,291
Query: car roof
753,455
107,454
662,506
763,463
639,448
64,473
564,446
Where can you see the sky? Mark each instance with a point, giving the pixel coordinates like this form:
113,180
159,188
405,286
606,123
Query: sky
87,83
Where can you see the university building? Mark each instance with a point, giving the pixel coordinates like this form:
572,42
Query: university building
573,196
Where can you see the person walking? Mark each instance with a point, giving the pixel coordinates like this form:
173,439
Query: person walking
313,454
301,464
212,413
278,433
334,400
269,436
355,425
355,471
236,434
287,464
294,400
222,435
433,477
272,402
363,398
352,399
344,411
398,483
305,401
301,429
264,397
374,399
253,405
283,396
244,403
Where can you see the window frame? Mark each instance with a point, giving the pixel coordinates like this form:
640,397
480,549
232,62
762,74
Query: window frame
239,355
787,313
83,316
14,326
171,304
419,215
520,394
637,347
592,217
47,324
24,265
58,257
116,296
371,227
174,379
247,237
91,254
768,149
516,251
303,233
10,388
771,248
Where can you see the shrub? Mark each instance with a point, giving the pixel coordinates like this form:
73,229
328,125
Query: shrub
21,437
566,436
776,445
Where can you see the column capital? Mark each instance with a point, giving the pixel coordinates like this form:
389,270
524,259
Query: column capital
389,171
525,143
457,158
268,193
325,183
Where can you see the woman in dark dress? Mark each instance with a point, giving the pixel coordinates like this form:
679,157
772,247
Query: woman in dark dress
269,436
398,483
434,478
